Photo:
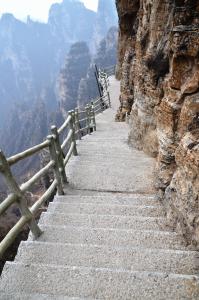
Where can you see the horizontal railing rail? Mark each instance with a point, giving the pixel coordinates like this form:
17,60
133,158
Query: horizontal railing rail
78,123
109,71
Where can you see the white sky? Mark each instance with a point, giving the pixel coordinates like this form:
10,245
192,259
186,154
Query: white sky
37,9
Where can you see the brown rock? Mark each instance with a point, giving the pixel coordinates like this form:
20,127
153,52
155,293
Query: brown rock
159,71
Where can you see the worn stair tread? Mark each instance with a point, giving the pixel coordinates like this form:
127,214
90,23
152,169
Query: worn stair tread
101,163
112,237
83,180
106,209
112,198
97,283
134,259
34,296
106,245
103,221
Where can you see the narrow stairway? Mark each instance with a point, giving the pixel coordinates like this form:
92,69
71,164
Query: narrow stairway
106,238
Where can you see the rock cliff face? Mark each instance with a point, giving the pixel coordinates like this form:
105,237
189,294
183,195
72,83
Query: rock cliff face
31,56
75,68
106,56
106,18
159,70
32,53
77,83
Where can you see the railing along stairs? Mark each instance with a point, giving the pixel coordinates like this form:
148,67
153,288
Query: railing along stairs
77,124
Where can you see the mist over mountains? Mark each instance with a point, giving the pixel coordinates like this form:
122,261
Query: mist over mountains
31,57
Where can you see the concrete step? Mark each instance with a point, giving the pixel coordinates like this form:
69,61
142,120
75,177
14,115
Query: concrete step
34,296
106,179
111,198
106,209
97,283
101,153
103,221
91,164
111,237
102,157
134,259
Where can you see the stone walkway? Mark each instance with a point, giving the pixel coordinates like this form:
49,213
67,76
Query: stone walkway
106,239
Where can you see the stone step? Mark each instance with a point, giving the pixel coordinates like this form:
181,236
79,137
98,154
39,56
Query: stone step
87,182
97,283
110,179
102,151
34,296
103,221
111,237
87,156
97,136
93,163
134,259
115,144
113,152
106,209
111,198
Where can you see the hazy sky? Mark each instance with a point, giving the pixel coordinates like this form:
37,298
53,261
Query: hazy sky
37,9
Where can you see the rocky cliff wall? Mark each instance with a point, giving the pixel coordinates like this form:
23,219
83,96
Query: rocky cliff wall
158,64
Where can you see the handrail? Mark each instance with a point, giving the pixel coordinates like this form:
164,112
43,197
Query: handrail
75,127
27,153
66,123
28,184
34,209
67,140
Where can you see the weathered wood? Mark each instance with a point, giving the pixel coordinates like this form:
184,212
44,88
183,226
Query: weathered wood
60,156
88,119
77,122
29,152
97,111
54,157
84,119
96,101
37,205
109,99
66,123
72,121
93,116
99,85
13,233
28,184
67,139
58,162
68,155
12,198
15,189
97,71
84,129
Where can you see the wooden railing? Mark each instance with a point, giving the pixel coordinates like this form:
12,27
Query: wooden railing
78,123
110,70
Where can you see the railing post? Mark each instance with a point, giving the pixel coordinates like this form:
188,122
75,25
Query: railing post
15,189
72,122
99,85
54,157
60,155
88,118
109,99
106,84
93,116
77,123
102,104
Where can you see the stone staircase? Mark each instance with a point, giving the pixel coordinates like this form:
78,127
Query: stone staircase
107,237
